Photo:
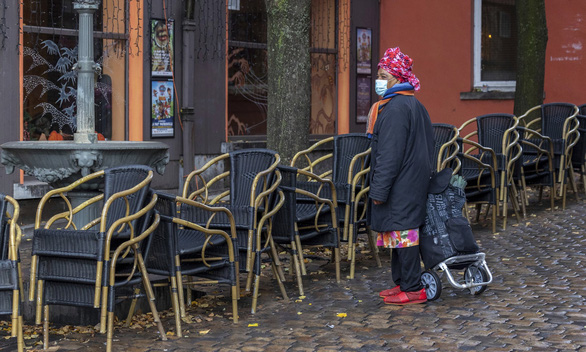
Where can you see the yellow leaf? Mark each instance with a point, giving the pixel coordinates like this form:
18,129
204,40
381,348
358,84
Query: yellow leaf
203,332
359,301
342,315
170,333
299,313
301,297
310,304
298,300
253,325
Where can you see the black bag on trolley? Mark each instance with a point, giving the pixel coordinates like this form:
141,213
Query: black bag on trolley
446,232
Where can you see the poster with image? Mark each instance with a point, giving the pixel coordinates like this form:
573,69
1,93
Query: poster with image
363,50
162,35
162,109
362,98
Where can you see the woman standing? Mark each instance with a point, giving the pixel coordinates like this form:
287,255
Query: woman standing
402,146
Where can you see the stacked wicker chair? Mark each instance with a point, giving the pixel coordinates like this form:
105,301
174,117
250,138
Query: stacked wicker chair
498,139
306,219
558,122
348,167
181,248
11,291
579,152
445,138
252,199
85,264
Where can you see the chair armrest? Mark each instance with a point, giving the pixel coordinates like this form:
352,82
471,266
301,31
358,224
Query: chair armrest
532,134
482,151
132,242
311,164
61,193
197,175
213,210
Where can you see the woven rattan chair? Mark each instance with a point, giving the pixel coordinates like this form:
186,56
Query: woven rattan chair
83,264
181,248
11,290
251,196
498,133
446,147
536,165
306,219
481,179
579,152
558,122
348,167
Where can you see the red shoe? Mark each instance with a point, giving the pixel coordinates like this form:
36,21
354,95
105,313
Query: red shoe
403,298
390,292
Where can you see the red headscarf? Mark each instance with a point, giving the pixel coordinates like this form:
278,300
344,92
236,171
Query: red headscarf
400,66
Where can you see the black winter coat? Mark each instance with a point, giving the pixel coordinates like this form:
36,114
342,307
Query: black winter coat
402,148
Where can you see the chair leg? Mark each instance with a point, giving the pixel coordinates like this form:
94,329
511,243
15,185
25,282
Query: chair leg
583,173
15,312
297,268
255,294
20,336
373,247
151,296
177,304
104,310
20,285
564,193
478,211
494,221
513,196
336,252
505,208
573,182
300,254
234,291
132,308
39,309
33,282
346,223
351,246
276,260
46,327
281,286
110,332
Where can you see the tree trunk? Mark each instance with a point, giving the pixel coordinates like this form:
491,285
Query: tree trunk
289,74
532,42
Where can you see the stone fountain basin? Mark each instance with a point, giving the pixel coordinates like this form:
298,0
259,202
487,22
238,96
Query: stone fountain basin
60,163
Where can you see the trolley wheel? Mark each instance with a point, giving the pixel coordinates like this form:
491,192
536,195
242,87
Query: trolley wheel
475,273
432,284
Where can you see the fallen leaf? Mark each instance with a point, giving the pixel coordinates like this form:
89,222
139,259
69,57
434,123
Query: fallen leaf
253,325
342,315
203,332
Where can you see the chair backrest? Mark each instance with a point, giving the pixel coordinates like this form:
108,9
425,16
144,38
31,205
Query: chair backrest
346,146
245,165
118,179
284,220
579,150
553,116
442,134
4,229
491,130
582,110
163,242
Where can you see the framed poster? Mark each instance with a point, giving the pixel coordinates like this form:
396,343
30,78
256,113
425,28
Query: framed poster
162,109
162,35
363,84
363,50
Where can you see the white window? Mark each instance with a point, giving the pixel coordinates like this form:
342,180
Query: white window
495,45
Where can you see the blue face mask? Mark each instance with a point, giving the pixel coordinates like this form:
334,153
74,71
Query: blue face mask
380,86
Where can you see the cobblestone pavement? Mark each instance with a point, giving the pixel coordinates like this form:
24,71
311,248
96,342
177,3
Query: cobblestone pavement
536,302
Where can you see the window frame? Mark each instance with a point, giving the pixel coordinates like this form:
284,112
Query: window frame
478,83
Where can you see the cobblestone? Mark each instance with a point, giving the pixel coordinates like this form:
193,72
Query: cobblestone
536,302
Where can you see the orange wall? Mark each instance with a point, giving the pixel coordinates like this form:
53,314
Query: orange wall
438,37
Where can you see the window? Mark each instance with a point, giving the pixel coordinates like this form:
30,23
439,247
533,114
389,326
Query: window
49,83
495,45
247,67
